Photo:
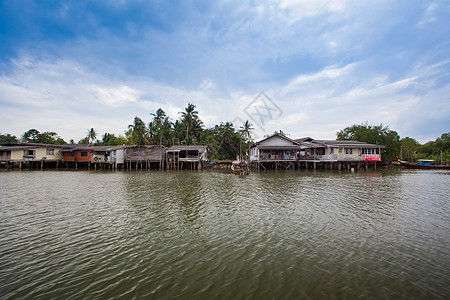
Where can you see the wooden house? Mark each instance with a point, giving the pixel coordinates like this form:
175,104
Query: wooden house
187,157
278,151
78,153
144,156
275,151
29,154
335,150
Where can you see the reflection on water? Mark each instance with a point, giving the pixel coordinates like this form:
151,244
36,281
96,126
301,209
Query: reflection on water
211,234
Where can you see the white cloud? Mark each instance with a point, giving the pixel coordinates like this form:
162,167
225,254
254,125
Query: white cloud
327,64
302,8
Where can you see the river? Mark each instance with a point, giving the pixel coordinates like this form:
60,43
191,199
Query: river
213,235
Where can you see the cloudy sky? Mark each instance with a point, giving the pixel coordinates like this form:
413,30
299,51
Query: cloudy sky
309,68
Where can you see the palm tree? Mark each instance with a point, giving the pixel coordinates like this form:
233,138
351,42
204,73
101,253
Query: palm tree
159,117
190,119
246,131
91,135
138,131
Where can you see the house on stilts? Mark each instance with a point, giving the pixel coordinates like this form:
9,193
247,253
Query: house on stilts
278,151
186,157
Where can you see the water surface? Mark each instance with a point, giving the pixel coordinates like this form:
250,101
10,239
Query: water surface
211,234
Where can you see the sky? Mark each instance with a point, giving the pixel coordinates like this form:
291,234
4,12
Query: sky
308,68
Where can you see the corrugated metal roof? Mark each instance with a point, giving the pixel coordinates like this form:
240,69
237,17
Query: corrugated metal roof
200,148
279,147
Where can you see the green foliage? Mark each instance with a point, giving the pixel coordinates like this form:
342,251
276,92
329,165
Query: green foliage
224,142
409,148
91,135
246,131
137,133
432,150
109,139
84,141
8,138
281,132
30,136
379,135
192,123
48,137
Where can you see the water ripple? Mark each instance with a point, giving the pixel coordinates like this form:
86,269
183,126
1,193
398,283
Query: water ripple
116,235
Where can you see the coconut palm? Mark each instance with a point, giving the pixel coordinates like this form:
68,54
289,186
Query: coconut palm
138,131
91,135
246,131
190,119
159,117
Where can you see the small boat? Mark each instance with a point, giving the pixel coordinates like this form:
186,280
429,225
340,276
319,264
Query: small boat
240,167
427,164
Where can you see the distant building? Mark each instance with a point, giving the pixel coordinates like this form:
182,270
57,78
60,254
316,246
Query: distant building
187,157
280,151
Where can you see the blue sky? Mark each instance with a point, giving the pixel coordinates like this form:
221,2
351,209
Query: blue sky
67,66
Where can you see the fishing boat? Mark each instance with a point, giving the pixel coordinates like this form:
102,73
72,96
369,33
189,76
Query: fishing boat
427,164
240,167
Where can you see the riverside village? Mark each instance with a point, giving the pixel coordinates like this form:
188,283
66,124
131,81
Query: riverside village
274,152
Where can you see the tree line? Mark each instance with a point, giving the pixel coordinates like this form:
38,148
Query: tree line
225,142
395,148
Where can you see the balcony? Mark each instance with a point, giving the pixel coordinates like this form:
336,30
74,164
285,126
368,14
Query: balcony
329,157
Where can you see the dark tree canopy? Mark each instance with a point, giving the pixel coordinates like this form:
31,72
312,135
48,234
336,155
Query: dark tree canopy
379,135
8,138
47,137
225,142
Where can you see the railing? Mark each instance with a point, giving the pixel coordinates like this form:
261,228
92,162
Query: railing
29,157
274,157
321,158
329,157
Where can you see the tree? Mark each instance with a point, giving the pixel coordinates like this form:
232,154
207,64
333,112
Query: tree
379,135
30,136
246,131
91,135
157,126
8,138
137,132
225,141
191,121
277,132
110,139
159,117
409,148
434,149
47,137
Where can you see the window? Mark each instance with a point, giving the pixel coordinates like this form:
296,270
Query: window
369,151
50,151
348,151
29,152
84,153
